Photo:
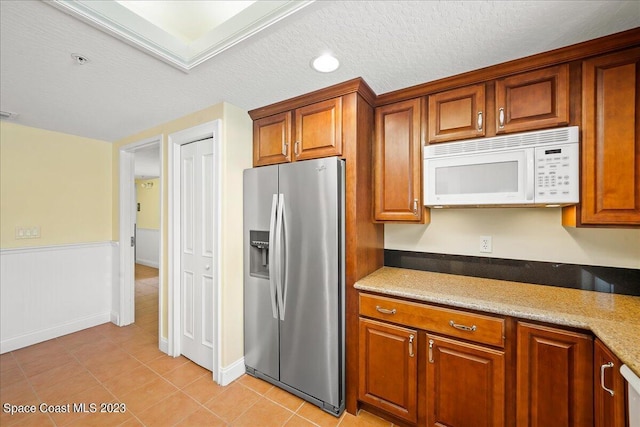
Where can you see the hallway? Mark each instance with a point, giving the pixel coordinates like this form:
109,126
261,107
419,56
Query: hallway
123,366
147,298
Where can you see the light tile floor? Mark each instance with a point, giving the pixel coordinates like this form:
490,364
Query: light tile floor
107,364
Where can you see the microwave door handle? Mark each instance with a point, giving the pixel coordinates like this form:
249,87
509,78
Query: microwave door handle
530,175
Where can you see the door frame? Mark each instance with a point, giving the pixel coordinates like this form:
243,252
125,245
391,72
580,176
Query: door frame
127,202
212,130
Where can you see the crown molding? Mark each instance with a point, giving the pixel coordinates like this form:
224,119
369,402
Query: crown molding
125,25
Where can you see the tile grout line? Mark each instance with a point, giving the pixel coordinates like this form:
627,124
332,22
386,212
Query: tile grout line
295,413
125,341
33,390
100,382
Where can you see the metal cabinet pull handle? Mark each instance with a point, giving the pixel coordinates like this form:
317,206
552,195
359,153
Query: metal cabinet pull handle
415,207
462,327
501,118
385,310
430,351
295,148
479,120
602,368
411,337
284,148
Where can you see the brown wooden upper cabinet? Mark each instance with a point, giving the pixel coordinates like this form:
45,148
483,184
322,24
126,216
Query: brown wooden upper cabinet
398,162
272,139
611,139
457,114
534,100
317,129
526,101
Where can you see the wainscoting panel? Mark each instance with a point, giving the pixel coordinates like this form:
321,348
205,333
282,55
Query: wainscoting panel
47,292
148,247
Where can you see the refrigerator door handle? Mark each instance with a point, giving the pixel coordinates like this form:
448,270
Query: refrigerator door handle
282,255
272,256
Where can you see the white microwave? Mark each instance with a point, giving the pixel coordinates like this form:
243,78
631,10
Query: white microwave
539,168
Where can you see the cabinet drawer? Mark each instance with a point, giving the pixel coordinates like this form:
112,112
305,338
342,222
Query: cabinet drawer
456,323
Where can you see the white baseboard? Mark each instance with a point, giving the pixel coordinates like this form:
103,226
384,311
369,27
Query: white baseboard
54,332
164,345
115,318
230,373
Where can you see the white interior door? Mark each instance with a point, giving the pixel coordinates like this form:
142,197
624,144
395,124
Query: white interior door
196,252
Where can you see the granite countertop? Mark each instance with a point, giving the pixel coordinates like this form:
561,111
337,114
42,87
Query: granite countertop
613,318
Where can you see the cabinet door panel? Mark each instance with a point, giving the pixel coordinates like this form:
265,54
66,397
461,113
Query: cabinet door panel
388,368
398,162
271,139
457,114
465,384
609,409
319,130
534,100
554,377
611,140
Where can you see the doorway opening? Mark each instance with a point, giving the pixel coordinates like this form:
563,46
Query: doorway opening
140,248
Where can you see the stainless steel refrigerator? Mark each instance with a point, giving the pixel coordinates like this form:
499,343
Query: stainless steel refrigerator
294,278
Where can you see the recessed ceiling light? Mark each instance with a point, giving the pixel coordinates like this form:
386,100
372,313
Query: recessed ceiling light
325,63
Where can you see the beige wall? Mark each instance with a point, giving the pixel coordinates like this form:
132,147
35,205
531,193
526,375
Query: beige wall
518,233
237,156
149,199
59,182
236,152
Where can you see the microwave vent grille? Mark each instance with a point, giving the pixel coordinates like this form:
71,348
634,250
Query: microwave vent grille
523,140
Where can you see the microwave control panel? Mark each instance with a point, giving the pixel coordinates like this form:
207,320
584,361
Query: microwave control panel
556,177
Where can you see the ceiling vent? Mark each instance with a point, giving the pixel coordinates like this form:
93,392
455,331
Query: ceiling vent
8,115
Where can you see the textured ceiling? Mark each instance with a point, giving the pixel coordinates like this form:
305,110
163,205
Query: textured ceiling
391,44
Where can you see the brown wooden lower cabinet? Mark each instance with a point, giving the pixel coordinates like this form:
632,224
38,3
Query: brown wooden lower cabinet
554,377
465,384
389,368
608,388
536,375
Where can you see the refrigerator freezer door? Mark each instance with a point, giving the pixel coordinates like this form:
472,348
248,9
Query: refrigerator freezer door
311,332
260,324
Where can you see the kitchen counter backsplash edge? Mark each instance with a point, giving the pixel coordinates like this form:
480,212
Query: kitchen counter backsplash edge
614,280
611,317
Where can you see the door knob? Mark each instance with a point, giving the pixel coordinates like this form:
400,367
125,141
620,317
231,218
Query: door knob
207,267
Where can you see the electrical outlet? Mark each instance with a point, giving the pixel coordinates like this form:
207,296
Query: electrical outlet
485,244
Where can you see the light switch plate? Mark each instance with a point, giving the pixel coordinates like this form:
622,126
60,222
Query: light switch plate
32,232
